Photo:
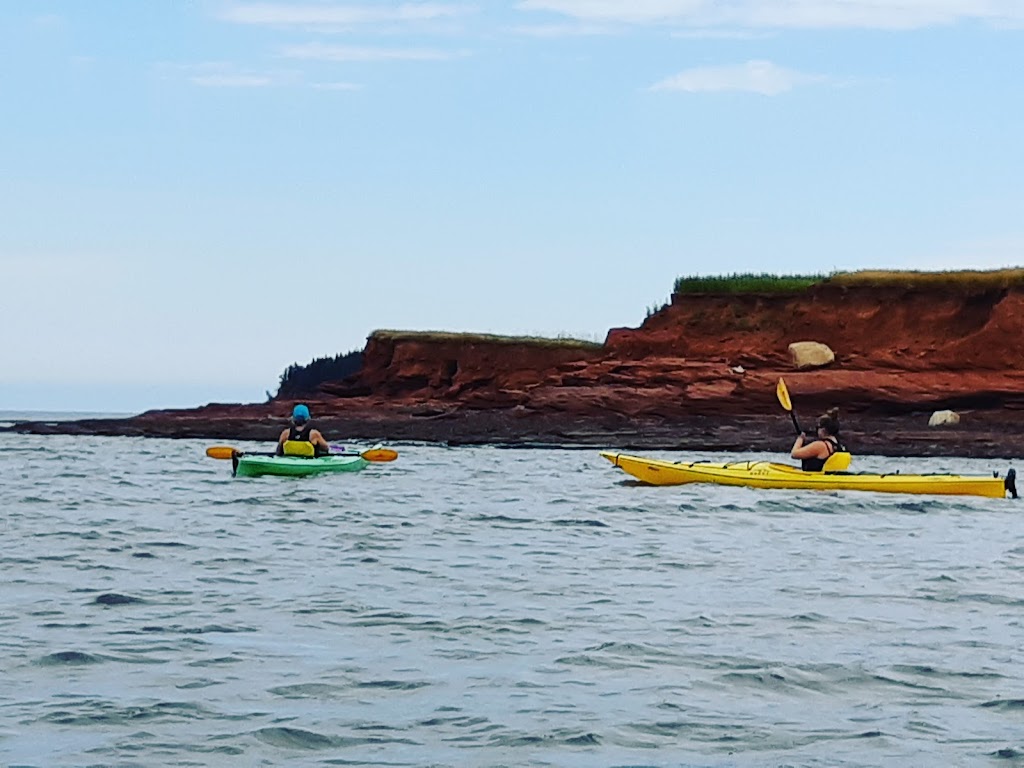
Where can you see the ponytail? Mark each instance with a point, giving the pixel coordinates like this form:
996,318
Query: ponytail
829,421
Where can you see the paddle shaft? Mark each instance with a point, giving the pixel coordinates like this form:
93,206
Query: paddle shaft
796,424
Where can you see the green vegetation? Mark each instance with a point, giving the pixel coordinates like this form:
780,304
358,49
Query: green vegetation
768,283
304,380
747,283
485,338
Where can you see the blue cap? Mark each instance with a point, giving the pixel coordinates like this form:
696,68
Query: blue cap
300,413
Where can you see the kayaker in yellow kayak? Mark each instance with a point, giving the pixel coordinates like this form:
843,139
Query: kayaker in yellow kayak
815,453
300,439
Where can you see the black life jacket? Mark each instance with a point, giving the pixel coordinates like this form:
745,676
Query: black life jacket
300,433
817,465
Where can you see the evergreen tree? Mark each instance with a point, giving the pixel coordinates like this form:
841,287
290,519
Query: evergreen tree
299,381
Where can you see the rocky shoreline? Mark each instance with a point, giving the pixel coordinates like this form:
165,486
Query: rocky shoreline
980,434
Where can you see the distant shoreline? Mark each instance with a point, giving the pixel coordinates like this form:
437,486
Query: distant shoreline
980,435
16,415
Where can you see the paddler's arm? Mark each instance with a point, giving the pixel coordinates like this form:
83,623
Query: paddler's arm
319,442
810,451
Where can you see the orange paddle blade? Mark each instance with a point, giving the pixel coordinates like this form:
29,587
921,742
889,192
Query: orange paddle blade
221,451
379,454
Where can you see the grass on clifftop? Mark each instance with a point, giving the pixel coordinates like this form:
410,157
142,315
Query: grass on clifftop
768,283
486,338
747,283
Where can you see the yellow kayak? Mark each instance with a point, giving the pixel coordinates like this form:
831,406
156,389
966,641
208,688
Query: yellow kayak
766,474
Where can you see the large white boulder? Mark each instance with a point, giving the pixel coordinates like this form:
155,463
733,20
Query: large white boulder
944,419
810,354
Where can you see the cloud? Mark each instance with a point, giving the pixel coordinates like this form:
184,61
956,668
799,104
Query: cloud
220,74
720,33
332,15
561,30
761,77
49,20
626,12
322,52
217,74
233,81
336,86
786,14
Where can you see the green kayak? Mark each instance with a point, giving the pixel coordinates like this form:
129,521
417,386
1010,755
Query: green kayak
254,465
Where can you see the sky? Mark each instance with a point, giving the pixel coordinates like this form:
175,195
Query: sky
197,193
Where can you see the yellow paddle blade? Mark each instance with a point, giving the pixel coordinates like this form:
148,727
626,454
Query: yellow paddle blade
783,394
379,454
221,451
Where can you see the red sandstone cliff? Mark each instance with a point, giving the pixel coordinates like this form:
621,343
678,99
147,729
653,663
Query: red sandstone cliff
700,372
897,350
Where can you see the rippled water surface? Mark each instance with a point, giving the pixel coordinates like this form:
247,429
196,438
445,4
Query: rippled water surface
486,607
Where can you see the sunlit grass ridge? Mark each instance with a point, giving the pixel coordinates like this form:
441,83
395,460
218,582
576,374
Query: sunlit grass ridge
483,338
965,278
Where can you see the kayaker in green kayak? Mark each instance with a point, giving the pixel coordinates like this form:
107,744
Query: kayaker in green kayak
815,453
299,438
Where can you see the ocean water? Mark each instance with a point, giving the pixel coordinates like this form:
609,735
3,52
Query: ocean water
487,607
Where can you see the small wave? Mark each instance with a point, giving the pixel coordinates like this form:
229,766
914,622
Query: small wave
460,721
215,662
299,738
558,737
580,522
393,685
587,660
294,738
923,669
502,519
1005,704
809,618
907,684
114,598
180,544
180,630
920,507
308,691
196,684
69,658
1007,753
95,712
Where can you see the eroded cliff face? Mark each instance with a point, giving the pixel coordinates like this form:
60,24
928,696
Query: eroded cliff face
465,368
897,351
867,328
